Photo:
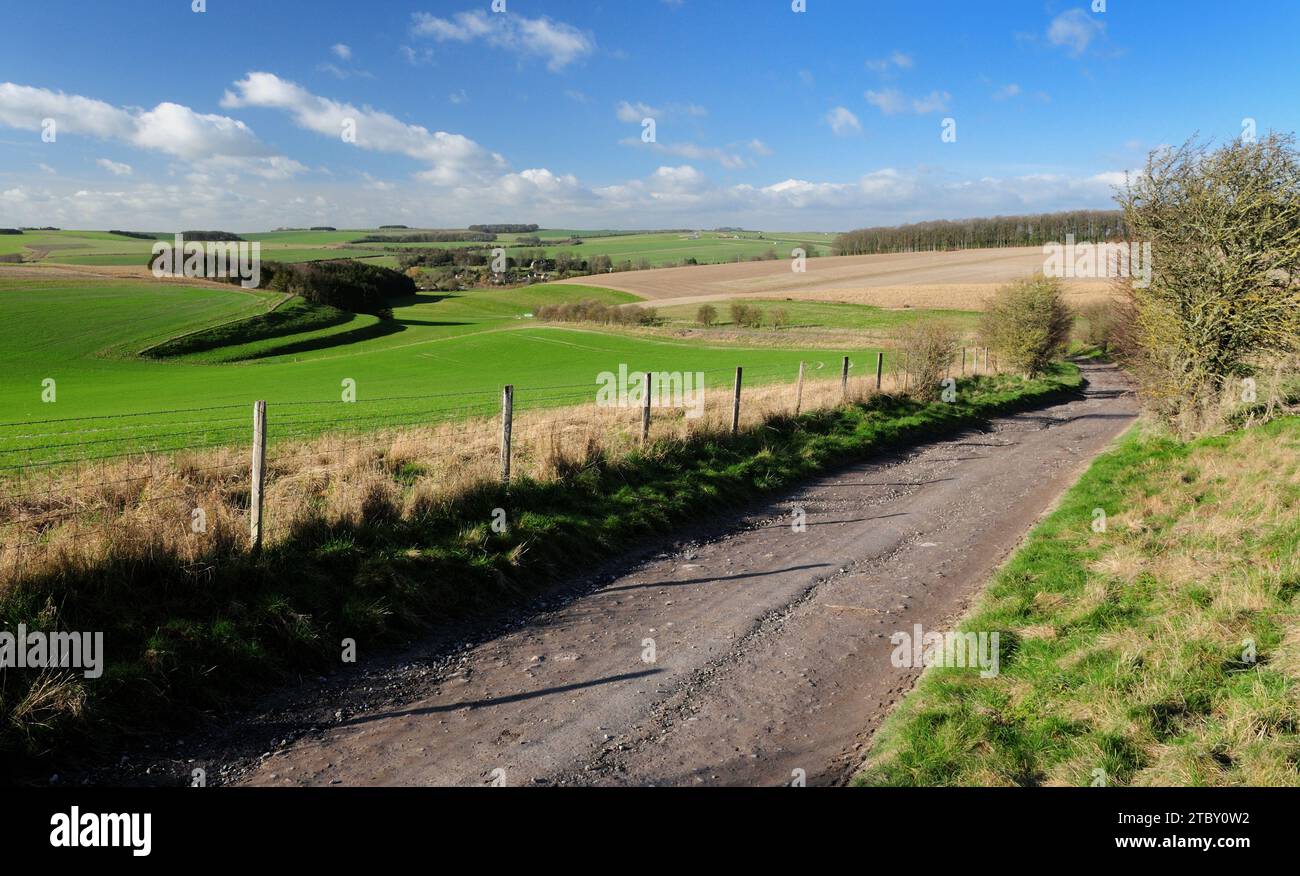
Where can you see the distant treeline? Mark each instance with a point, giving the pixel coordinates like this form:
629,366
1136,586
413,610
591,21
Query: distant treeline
392,227
506,229
46,228
985,232
216,236
430,237
323,228
10,231
595,311
138,235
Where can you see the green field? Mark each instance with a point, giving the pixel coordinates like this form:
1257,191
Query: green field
441,355
662,248
657,248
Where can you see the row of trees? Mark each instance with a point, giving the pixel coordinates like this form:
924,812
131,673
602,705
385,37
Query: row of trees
347,285
506,229
996,231
595,311
430,237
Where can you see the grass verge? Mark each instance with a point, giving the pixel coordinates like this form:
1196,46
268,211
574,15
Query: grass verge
186,636
1164,650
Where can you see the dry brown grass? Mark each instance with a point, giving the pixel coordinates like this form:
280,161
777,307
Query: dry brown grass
194,506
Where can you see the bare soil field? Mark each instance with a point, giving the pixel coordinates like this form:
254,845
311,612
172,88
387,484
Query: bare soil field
52,271
956,280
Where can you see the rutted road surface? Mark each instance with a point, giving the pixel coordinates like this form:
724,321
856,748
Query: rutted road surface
771,646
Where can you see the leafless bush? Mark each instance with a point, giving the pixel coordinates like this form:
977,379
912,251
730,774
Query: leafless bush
927,348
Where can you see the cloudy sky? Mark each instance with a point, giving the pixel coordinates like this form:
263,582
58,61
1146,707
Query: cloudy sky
148,115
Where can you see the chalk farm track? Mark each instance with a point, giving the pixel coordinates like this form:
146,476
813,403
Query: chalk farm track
957,280
771,647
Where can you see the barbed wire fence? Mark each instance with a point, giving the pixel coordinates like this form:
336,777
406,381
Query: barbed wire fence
183,480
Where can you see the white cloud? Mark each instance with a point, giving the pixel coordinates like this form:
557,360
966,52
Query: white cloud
1074,30
891,101
670,197
758,147
341,50
843,122
458,96
934,102
1006,92
114,167
169,128
635,113
453,158
416,57
692,152
558,43
896,59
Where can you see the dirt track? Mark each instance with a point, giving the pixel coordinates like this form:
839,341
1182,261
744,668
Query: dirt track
960,280
772,646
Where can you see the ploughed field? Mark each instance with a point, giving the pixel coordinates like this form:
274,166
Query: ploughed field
957,280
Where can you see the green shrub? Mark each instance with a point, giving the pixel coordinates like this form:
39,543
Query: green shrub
1028,324
1221,303
1099,324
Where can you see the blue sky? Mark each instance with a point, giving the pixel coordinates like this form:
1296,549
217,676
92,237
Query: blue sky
764,117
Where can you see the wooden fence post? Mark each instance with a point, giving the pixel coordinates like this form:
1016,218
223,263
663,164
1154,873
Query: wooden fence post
735,402
844,381
645,410
507,425
880,369
963,361
798,394
257,476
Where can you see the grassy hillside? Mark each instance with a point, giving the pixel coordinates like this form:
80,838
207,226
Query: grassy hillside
1162,651
295,317
85,335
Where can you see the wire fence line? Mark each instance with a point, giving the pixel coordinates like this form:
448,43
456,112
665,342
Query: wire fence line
186,477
